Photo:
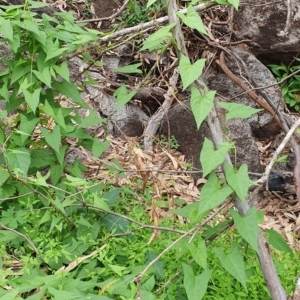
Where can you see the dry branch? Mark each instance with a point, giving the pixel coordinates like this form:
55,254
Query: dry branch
261,102
149,25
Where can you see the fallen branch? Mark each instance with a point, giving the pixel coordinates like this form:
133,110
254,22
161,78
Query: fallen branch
261,102
277,152
151,24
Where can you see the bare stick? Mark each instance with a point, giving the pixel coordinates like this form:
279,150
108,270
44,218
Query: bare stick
277,152
150,24
155,120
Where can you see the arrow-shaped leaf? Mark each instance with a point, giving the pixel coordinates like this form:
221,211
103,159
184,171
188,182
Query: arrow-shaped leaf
195,286
190,72
238,180
211,158
212,194
236,110
201,105
247,226
192,19
52,138
233,263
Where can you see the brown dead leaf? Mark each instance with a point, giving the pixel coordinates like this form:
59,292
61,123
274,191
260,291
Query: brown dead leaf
298,221
262,148
288,230
78,261
175,164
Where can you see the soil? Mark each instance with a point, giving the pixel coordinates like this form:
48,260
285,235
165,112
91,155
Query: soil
105,8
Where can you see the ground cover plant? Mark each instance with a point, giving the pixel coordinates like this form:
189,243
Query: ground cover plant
68,235
290,87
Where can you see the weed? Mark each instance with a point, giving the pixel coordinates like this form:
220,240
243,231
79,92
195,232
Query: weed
291,87
164,142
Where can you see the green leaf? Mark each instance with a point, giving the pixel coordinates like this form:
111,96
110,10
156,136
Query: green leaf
74,181
91,120
40,180
154,41
190,72
100,202
123,96
238,110
235,3
212,193
84,222
58,204
201,105
149,284
10,295
210,158
6,29
32,99
278,242
39,295
192,19
56,172
43,76
60,120
53,49
15,44
115,224
2,136
233,263
69,89
53,138
4,175
19,160
195,286
247,226
99,147
115,166
61,154
63,71
199,253
150,2
19,71
41,158
61,294
27,125
118,269
130,69
31,25
238,180
189,211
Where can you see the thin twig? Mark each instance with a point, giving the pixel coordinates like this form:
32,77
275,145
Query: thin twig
149,25
23,236
269,167
131,220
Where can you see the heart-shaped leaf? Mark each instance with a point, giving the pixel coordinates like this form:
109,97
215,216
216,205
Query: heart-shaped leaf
190,72
201,105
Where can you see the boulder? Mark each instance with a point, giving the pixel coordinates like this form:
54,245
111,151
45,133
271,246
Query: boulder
273,27
262,124
183,127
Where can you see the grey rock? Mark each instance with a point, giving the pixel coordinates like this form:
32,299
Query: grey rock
262,124
129,120
273,26
182,125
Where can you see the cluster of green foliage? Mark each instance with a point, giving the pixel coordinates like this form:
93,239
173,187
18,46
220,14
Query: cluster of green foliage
137,13
291,87
171,143
82,239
